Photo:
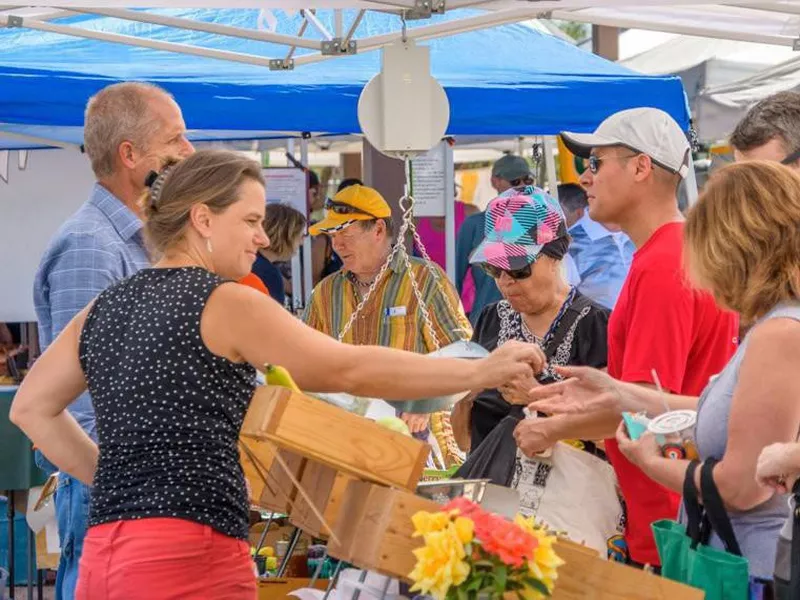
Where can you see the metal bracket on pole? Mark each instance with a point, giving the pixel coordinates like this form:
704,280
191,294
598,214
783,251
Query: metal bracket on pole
14,21
281,64
796,45
423,9
338,46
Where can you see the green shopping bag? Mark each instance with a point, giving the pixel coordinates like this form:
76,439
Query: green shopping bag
684,551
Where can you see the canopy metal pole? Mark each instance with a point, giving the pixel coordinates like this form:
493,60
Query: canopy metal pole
130,40
337,23
191,25
449,212
39,140
297,269
356,22
311,17
308,267
548,144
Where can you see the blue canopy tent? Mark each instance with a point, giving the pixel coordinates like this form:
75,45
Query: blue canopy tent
508,80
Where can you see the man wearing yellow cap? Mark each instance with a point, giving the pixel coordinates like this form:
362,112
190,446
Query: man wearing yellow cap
359,223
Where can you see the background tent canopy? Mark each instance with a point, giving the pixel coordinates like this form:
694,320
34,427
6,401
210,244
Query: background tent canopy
509,80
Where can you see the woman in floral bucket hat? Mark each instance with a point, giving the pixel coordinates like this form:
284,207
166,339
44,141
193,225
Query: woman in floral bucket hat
525,241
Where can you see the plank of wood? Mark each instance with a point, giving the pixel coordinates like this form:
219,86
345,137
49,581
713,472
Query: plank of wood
317,481
335,437
254,472
587,577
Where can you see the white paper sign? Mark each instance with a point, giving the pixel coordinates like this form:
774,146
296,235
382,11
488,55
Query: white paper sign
287,185
430,181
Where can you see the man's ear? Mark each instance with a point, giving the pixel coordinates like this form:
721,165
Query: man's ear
127,154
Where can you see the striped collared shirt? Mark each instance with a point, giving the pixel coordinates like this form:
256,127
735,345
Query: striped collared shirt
391,317
99,245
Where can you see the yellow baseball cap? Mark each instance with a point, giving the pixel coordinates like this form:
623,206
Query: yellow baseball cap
354,203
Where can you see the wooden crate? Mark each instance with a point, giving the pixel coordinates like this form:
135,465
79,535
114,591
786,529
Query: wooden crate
278,492
332,436
587,577
375,529
376,535
326,487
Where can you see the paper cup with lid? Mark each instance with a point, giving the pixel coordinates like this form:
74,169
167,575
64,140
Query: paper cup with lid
675,432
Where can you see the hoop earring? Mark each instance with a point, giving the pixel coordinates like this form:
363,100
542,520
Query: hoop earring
208,245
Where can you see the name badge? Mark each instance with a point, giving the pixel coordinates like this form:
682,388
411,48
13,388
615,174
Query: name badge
396,311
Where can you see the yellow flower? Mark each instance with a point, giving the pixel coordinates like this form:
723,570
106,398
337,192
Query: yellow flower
465,529
440,563
545,562
425,522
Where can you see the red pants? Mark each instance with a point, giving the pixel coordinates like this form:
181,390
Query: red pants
164,559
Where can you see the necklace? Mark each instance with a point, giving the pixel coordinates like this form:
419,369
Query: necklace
357,282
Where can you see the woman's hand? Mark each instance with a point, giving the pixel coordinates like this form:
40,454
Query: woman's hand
510,362
778,466
639,452
585,390
416,422
533,436
518,390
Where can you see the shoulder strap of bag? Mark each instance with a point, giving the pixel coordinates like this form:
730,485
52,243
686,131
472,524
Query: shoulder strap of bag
715,509
694,513
794,580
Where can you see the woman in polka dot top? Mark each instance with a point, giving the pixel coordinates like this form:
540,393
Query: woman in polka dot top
169,357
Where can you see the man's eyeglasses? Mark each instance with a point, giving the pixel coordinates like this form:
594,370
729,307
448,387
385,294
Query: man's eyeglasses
594,162
515,274
345,209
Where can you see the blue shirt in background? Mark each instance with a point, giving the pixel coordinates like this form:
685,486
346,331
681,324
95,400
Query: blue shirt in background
271,276
600,261
98,246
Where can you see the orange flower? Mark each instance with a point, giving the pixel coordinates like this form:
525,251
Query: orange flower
509,542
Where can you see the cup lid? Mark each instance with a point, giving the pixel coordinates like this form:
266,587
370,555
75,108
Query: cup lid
672,422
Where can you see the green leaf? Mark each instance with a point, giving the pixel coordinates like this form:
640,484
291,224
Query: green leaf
537,585
462,593
500,578
484,563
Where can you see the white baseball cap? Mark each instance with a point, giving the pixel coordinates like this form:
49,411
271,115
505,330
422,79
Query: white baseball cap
647,130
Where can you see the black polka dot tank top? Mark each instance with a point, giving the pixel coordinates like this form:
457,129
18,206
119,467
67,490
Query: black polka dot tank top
168,410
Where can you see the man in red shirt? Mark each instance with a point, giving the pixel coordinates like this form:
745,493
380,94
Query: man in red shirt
637,159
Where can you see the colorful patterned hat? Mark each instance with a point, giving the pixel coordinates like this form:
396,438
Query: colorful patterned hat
518,223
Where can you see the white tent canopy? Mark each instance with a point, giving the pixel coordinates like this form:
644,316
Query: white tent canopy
719,108
764,21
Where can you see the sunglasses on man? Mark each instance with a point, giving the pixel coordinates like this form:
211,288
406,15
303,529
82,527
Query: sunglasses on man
594,161
345,209
515,274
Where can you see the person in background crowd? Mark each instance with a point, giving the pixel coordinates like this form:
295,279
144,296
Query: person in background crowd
170,357
130,129
599,257
770,131
743,244
325,260
285,228
637,158
526,240
507,172
359,223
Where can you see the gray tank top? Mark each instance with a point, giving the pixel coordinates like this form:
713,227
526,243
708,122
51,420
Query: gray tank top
757,529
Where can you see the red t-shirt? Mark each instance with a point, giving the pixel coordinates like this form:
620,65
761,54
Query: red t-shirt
661,323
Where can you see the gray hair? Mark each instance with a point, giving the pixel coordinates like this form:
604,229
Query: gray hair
777,116
119,113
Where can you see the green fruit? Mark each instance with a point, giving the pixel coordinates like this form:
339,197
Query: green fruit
394,424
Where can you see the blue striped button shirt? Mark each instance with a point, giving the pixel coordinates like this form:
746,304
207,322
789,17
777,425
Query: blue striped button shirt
99,245
601,261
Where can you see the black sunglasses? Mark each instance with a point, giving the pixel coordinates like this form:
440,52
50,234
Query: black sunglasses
345,209
515,274
791,158
594,161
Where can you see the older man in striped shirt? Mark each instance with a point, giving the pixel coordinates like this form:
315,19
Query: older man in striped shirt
358,221
130,129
